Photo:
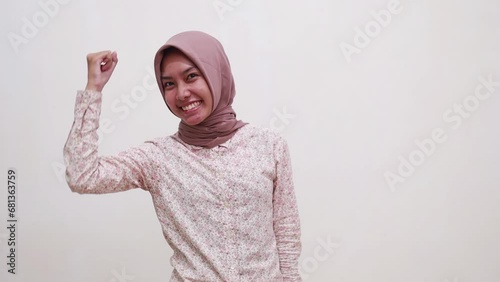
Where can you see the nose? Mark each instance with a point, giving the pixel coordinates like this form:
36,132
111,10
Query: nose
183,91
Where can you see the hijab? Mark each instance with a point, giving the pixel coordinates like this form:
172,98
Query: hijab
208,55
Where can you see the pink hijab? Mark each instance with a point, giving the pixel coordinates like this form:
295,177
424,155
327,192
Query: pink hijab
208,55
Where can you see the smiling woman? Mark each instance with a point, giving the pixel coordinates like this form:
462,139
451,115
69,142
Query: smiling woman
198,51
222,189
186,91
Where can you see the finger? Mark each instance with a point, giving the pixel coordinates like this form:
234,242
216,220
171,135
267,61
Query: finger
100,59
106,66
106,60
110,62
97,57
103,54
112,57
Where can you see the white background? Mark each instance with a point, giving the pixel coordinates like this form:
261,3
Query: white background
352,119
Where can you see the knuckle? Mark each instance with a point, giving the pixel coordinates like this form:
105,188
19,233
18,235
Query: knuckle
91,57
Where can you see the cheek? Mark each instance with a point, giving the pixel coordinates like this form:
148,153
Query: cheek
170,99
209,105
207,95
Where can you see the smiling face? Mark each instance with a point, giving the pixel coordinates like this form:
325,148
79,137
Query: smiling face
186,91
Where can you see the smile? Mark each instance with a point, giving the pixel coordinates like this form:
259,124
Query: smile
191,106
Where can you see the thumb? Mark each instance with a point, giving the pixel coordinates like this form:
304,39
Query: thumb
109,62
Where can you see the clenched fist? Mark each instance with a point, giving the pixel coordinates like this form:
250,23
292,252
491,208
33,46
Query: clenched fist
100,67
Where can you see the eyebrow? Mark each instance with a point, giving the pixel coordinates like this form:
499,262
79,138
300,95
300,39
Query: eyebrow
184,72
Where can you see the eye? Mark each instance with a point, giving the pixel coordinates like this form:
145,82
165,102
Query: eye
167,84
192,75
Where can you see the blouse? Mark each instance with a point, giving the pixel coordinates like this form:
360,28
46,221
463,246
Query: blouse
229,213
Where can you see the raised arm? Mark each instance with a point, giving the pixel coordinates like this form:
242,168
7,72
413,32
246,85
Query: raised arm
86,172
286,216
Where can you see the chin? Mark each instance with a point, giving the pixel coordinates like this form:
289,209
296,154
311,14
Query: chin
192,123
195,120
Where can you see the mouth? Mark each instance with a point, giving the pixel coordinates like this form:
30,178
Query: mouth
191,106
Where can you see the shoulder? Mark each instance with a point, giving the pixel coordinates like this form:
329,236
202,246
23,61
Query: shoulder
257,136
252,131
163,143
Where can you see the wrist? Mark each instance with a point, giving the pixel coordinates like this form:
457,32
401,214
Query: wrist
93,87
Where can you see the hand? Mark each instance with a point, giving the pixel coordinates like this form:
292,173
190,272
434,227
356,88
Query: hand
100,67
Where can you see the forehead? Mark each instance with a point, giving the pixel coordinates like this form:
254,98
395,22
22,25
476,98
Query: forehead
172,56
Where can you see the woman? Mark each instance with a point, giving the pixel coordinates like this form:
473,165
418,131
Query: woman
222,189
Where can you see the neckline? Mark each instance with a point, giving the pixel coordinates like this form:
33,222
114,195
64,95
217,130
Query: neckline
224,145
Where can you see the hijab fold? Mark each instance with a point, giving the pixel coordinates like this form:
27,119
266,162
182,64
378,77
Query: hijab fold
208,55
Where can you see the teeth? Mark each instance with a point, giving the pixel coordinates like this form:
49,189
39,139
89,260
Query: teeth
190,106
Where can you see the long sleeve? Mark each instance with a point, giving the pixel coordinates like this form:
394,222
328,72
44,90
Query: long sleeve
86,172
286,216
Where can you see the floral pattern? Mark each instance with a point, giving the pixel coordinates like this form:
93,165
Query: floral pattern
229,213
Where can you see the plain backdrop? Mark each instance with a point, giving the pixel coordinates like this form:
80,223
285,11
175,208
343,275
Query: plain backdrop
357,99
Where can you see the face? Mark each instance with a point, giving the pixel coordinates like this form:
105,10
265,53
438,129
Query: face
185,89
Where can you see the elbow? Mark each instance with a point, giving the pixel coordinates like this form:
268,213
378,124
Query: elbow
77,183
77,187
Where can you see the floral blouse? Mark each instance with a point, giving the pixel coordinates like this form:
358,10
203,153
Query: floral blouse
229,213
